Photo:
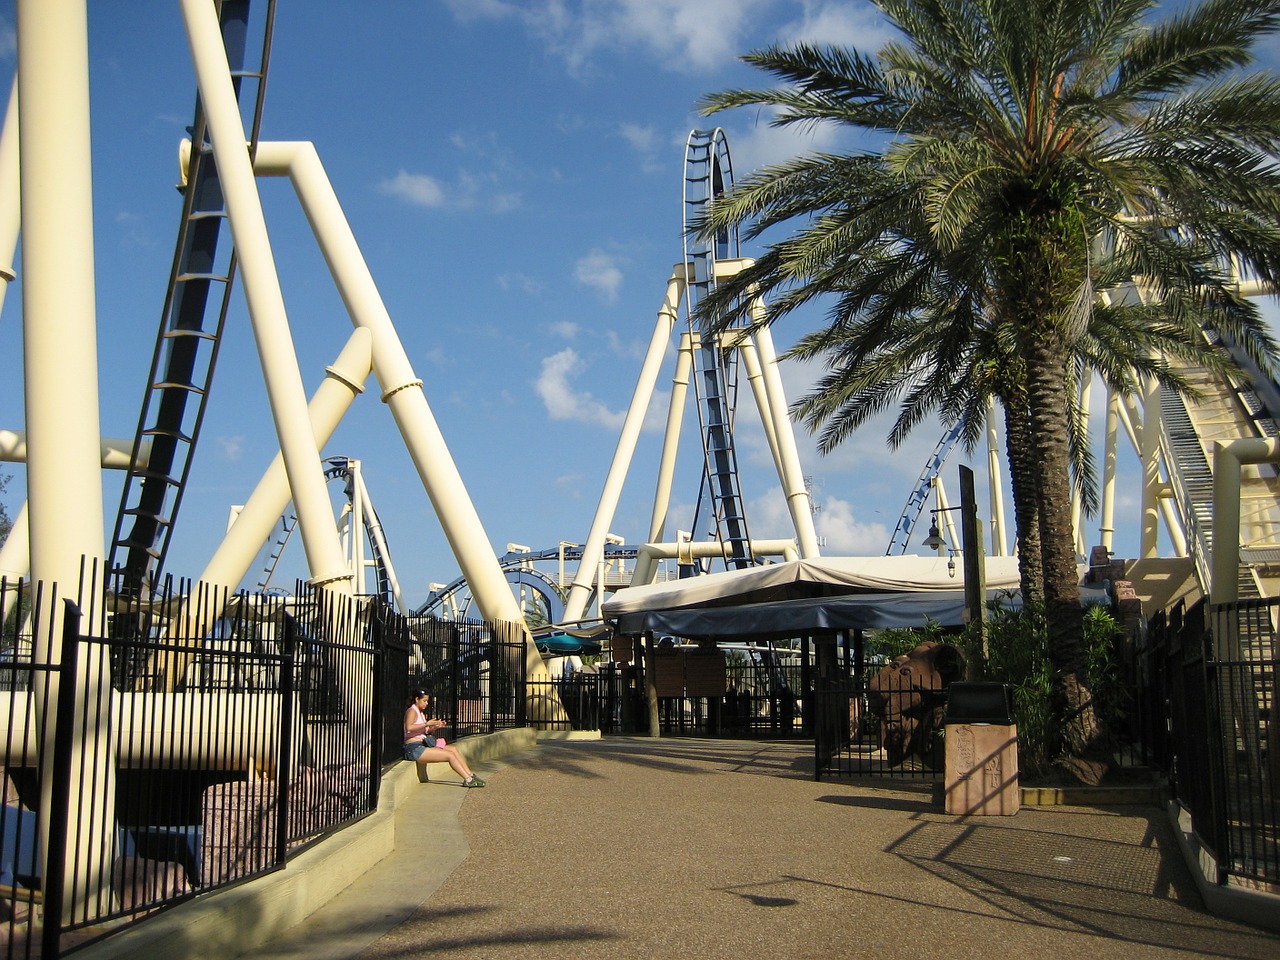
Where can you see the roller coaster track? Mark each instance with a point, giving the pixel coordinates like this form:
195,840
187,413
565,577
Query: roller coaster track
190,333
520,571
919,495
337,468
707,174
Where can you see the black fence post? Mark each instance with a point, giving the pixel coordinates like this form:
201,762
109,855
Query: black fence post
376,724
55,868
288,646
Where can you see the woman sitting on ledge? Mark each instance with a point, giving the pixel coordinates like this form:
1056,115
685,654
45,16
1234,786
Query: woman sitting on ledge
422,746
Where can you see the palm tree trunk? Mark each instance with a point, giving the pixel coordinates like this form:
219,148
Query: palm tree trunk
1080,726
1026,512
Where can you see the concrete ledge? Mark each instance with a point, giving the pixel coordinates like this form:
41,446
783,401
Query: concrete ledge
1255,907
237,920
477,749
1153,795
568,734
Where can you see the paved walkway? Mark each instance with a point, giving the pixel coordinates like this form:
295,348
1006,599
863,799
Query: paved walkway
644,848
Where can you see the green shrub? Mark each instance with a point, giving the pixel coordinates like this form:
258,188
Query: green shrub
1018,654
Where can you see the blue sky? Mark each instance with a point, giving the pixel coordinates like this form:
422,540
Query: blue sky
512,172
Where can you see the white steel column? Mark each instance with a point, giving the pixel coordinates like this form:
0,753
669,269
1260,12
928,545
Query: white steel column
1086,395
64,472
374,526
1224,586
10,191
793,488
401,388
1107,526
671,438
1131,419
575,605
746,348
995,484
343,382
266,304
1150,454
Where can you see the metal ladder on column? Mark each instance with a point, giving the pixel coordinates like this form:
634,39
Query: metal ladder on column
707,174
190,333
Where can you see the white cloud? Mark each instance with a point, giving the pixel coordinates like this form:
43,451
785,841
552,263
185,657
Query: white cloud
520,282
232,447
471,191
417,189
563,402
839,531
642,138
858,25
599,271
565,328
843,535
686,35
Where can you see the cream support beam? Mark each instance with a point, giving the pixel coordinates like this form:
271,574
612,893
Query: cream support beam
1086,395
778,418
374,526
793,487
1228,457
401,388
15,554
999,545
266,304
746,348
10,191
116,454
671,438
1131,420
575,605
1150,454
343,382
64,473
1107,527
648,554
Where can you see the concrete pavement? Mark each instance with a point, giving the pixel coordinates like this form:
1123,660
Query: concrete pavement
631,847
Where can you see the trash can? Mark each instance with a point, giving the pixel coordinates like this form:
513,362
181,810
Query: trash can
981,750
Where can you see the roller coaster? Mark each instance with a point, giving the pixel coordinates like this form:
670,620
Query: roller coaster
220,226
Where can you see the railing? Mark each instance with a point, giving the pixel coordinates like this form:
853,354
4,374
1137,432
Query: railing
1217,736
474,671
209,738
893,731
569,703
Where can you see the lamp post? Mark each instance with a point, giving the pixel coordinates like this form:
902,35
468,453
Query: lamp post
975,586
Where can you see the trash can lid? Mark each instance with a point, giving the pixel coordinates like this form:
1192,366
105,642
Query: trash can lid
974,701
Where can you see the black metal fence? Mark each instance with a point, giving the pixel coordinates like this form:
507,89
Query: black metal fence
208,737
1208,680
474,671
892,729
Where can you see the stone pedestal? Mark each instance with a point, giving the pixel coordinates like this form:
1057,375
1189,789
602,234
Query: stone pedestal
982,769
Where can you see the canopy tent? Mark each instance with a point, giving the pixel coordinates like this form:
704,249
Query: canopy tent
802,596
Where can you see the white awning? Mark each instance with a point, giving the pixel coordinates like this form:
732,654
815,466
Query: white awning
799,579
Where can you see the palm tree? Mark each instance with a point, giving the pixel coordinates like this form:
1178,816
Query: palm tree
946,356
1023,136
